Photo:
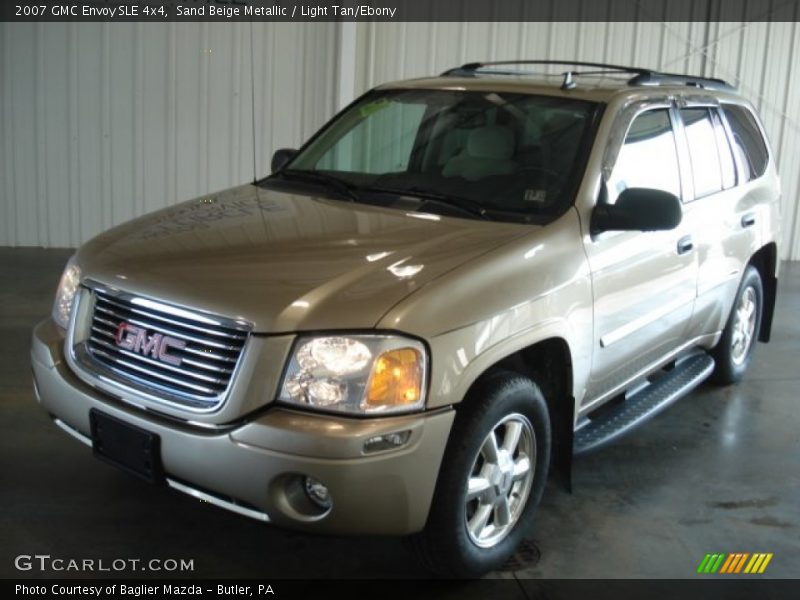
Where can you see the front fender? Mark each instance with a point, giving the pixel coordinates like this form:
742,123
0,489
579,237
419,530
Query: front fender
534,288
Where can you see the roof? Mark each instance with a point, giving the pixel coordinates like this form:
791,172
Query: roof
546,86
595,82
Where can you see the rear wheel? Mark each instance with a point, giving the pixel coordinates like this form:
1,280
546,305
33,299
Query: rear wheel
492,477
734,351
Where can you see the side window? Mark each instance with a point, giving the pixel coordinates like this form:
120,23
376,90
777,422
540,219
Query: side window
648,158
748,145
707,172
725,155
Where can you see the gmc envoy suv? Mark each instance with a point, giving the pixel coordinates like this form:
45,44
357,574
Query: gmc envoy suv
458,283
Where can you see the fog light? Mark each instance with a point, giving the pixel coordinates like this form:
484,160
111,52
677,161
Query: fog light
387,441
317,492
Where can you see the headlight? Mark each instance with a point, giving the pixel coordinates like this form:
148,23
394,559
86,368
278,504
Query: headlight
361,374
67,288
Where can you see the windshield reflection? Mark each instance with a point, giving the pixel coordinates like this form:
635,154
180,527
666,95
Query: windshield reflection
496,155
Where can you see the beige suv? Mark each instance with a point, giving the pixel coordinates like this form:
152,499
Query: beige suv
457,283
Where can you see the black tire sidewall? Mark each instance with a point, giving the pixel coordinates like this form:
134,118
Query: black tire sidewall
481,411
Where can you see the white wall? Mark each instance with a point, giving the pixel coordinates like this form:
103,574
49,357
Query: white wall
100,122
762,59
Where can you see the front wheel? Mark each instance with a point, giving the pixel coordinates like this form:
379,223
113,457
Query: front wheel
492,477
734,351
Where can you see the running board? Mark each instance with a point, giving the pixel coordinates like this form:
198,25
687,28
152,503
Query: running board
647,402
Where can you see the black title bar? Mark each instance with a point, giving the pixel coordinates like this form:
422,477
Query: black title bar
402,10
732,588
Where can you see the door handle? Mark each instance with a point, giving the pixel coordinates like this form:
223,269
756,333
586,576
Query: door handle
748,220
685,244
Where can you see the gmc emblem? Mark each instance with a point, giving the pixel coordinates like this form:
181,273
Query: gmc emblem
157,345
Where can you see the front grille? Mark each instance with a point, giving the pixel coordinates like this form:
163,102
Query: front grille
201,357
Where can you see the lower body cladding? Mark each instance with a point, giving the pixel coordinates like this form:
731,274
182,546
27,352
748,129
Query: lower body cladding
271,467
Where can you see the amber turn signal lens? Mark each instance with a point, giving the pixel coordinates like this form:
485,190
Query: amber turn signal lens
396,379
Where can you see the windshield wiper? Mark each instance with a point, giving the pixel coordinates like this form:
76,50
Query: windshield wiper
461,203
329,181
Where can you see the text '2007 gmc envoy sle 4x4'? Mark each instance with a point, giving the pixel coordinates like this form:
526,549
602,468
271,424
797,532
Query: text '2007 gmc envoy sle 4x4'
456,283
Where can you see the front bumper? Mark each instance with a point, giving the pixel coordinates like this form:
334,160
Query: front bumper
254,466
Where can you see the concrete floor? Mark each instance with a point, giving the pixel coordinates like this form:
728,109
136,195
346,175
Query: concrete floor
717,472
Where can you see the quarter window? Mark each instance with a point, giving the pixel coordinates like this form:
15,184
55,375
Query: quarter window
748,144
648,158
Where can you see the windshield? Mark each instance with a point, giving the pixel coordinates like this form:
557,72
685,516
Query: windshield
504,156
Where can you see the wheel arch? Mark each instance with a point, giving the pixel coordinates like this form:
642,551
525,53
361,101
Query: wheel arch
548,363
765,261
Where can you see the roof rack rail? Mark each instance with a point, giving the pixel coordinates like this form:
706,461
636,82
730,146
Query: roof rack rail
470,69
641,76
658,78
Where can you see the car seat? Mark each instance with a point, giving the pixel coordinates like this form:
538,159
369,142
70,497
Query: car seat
489,151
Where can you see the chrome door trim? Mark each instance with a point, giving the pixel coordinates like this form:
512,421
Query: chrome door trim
635,325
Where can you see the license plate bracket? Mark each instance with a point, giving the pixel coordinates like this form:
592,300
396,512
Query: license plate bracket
128,447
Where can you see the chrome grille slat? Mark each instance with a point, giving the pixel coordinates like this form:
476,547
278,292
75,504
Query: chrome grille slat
189,361
175,312
201,365
189,349
150,315
155,363
170,332
117,361
212,348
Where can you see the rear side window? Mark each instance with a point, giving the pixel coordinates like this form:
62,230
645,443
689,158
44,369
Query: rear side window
748,144
712,163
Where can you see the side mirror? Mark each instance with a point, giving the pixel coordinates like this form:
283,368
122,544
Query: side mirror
281,157
638,209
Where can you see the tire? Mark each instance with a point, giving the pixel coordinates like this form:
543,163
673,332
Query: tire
734,351
501,405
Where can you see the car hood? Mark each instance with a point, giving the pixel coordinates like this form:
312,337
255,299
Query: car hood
285,262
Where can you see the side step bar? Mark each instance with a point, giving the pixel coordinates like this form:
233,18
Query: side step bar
647,402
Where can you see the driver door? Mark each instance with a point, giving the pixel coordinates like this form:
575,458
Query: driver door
643,282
